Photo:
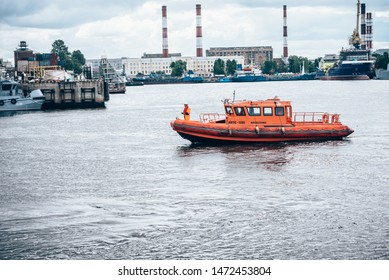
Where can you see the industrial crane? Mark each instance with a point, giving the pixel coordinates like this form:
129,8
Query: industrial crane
355,40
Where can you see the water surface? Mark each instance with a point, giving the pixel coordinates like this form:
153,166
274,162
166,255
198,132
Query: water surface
119,183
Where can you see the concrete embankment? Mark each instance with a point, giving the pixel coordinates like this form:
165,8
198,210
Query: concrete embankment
69,95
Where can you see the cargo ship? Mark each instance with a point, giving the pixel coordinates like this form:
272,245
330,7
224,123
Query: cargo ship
354,63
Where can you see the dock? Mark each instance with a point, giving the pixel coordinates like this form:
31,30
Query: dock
71,95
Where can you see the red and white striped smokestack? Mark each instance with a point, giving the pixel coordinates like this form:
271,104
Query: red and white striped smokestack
363,26
199,32
369,31
285,53
165,50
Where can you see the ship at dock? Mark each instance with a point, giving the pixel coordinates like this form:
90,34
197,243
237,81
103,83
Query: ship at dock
248,75
382,74
354,63
116,82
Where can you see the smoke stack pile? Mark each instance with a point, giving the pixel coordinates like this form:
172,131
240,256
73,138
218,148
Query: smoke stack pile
199,33
285,34
165,50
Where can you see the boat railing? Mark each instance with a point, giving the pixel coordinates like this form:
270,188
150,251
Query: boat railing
211,117
315,118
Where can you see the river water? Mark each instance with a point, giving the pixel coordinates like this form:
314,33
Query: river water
119,183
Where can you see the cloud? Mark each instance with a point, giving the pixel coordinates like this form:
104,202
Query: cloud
60,13
129,28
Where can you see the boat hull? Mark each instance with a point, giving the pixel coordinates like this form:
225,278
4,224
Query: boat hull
345,78
19,103
244,79
348,70
22,105
197,132
382,74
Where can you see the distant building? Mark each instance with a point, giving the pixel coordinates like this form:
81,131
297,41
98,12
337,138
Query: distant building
202,66
23,53
29,62
159,55
116,63
253,56
381,51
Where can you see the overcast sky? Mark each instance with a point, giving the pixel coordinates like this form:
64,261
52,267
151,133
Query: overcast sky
128,28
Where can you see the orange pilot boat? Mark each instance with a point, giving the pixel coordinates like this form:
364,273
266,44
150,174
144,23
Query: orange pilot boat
270,120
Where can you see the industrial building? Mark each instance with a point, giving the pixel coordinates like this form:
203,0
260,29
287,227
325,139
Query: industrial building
253,56
202,66
34,64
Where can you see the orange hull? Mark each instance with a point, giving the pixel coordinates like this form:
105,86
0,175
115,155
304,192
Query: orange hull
198,132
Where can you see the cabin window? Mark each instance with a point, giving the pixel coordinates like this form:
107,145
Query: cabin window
239,111
267,111
279,111
229,110
254,111
6,87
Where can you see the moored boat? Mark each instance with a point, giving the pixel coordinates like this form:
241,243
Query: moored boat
348,69
226,79
116,82
248,75
270,120
13,99
382,74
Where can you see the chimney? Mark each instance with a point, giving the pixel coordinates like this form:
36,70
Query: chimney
285,53
369,31
199,33
165,50
363,26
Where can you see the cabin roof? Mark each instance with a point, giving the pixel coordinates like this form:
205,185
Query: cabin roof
268,102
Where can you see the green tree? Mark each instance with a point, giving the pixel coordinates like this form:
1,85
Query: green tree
178,68
296,64
269,67
282,67
60,49
382,61
78,61
218,67
231,66
70,61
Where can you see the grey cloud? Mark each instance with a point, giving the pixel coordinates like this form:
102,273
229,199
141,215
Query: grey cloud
64,14
371,4
60,14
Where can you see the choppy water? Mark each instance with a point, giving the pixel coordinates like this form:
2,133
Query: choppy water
118,183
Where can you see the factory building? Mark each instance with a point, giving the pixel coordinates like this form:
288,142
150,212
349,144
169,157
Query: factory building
253,56
202,66
33,63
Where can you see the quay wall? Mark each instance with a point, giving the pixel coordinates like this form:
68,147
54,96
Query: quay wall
68,95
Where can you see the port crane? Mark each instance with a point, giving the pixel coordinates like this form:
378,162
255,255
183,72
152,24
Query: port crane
355,40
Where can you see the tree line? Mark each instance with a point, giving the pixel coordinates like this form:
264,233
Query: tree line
75,61
295,65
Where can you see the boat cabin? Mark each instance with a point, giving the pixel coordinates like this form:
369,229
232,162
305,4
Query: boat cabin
263,112
9,88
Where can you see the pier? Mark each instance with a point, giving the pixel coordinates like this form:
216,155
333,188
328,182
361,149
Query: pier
69,95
